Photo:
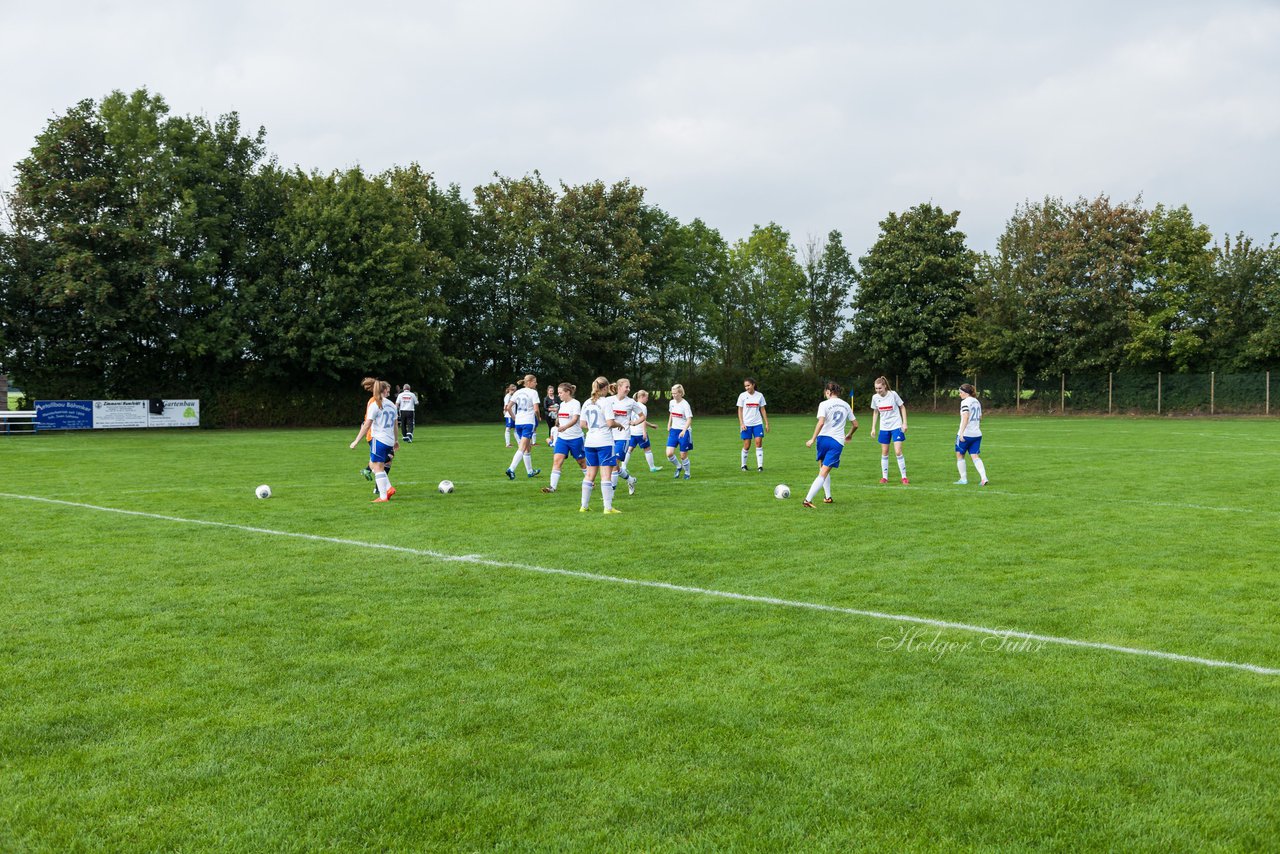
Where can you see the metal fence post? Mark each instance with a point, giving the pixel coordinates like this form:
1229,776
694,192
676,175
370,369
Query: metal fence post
1267,406
1017,393
1211,384
1109,375
1159,389
1063,403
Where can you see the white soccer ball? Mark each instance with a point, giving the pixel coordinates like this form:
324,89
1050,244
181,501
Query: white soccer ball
445,487
263,491
782,491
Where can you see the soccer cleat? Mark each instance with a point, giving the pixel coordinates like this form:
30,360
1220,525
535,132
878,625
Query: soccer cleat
655,468
984,483
759,468
391,490
884,480
511,475
380,500
679,471
744,468
582,510
686,475
961,483
535,473
828,501
611,511
368,473
807,504
905,481
631,486
548,489
409,439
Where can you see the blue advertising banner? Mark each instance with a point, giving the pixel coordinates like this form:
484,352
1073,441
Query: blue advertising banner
64,414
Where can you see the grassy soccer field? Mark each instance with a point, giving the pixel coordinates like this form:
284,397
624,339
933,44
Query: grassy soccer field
174,685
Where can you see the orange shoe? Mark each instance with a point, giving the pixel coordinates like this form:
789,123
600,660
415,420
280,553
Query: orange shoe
391,490
381,501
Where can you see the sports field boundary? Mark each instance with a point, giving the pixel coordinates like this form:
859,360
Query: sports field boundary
480,560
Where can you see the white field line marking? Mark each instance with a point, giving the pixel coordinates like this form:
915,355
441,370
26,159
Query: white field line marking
663,585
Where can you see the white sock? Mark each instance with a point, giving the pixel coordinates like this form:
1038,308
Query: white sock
587,486
506,435
555,478
902,465
648,455
744,458
759,457
606,489
962,468
826,485
671,458
813,489
383,482
515,461
626,461
528,462
884,467
982,470
686,465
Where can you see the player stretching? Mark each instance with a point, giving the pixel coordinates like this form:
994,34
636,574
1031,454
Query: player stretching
753,421
599,446
623,415
640,432
524,411
969,436
891,412
679,430
380,419
834,418
568,433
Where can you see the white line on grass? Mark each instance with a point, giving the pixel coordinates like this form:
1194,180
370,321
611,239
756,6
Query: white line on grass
663,585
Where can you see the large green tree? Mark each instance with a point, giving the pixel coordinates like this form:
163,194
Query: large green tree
1173,278
829,276
759,306
913,288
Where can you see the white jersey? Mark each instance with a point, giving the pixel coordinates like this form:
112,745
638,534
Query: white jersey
838,416
642,412
974,408
407,400
506,399
751,404
887,405
599,435
681,414
621,410
569,410
526,401
382,419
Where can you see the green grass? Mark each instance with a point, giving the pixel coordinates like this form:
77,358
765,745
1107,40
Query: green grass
172,686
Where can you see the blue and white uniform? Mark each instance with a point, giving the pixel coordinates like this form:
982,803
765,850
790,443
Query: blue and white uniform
506,416
970,441
569,439
526,417
681,415
622,410
382,416
837,416
599,437
752,421
887,405
639,439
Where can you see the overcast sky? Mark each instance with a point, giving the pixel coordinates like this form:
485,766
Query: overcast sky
813,115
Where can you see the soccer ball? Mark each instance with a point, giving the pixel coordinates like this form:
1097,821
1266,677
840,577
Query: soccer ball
445,487
782,491
263,491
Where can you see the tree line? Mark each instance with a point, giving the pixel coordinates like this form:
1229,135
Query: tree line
148,254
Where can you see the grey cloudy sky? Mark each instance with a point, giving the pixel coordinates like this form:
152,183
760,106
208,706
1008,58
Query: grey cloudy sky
814,115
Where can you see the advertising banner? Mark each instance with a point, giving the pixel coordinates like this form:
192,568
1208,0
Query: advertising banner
174,413
115,414
64,414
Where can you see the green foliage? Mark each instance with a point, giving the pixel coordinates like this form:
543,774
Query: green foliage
829,282
913,287
1171,292
759,306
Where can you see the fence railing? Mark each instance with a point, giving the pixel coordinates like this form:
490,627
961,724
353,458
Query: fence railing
1115,392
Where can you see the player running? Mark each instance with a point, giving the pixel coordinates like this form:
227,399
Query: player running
623,415
407,403
506,415
524,412
835,417
568,434
598,445
891,412
380,420
640,432
679,430
969,436
753,421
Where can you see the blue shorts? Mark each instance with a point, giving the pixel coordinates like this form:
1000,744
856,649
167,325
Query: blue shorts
600,456
674,440
887,436
510,422
525,431
829,451
641,442
753,432
380,453
969,445
570,447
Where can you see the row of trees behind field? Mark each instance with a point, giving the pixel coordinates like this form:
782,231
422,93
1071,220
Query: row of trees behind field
148,254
